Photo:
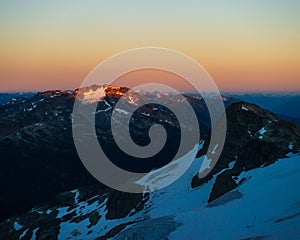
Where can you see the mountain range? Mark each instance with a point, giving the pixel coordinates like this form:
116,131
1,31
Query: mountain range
251,193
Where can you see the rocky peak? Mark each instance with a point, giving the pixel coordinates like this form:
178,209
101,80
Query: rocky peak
250,122
94,93
89,94
255,138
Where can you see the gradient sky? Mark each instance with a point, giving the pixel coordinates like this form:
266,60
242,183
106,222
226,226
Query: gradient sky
244,45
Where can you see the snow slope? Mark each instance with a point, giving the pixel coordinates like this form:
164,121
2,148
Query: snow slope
265,205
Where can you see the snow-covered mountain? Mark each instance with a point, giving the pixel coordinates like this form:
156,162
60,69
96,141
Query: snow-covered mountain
250,194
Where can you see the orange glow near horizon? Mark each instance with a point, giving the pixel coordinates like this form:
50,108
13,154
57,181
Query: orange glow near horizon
146,76
244,46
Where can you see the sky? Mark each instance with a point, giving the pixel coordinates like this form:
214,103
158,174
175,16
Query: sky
244,45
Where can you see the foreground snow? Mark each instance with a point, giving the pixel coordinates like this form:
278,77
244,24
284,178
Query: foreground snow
265,205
